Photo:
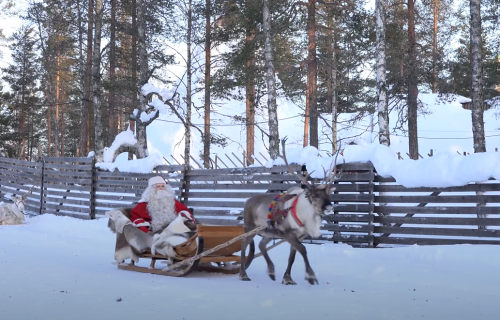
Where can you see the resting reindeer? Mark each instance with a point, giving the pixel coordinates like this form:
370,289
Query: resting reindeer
138,241
301,216
12,213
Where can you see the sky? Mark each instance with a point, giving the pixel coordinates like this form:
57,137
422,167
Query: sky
60,268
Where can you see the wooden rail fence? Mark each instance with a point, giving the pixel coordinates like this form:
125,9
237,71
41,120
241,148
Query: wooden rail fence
368,210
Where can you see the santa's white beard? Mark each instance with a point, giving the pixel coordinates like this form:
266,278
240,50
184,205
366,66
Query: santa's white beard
161,208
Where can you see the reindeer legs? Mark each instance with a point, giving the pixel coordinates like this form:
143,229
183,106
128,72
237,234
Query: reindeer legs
244,244
287,278
263,249
296,245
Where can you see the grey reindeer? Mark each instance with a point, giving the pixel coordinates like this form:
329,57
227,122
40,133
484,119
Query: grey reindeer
301,216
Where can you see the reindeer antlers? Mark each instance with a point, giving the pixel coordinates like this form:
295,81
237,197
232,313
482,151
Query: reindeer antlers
25,196
336,174
301,177
330,178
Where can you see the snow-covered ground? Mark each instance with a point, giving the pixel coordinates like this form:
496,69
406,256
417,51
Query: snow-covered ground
55,268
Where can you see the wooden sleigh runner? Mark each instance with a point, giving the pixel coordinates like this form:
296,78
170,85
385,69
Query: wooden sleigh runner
206,238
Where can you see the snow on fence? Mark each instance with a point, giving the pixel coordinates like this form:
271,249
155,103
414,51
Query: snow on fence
368,210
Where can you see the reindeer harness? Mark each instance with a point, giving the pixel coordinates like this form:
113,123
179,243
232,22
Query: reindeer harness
277,213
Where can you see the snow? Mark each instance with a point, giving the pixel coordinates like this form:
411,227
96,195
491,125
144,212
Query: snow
441,170
63,268
165,93
144,165
123,138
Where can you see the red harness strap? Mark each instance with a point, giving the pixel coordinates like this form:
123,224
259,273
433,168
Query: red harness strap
294,212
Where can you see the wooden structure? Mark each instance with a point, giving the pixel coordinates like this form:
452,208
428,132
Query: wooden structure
206,237
368,210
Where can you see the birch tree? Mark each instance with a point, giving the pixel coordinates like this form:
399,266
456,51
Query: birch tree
85,105
476,56
270,81
97,97
412,98
208,47
331,98
141,148
382,108
189,71
476,45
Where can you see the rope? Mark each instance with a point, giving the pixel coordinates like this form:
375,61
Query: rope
206,253
269,248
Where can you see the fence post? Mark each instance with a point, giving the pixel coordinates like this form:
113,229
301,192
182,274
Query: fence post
371,244
42,181
93,183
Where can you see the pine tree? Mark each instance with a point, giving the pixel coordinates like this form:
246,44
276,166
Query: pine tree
21,76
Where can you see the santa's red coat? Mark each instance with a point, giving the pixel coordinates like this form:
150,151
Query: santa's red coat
140,216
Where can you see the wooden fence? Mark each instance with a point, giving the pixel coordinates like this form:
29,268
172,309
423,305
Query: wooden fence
368,210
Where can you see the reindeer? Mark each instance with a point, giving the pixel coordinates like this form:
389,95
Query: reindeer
13,213
303,210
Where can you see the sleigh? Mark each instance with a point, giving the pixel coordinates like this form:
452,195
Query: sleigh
206,238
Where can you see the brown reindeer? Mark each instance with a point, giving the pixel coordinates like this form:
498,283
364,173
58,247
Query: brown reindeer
300,216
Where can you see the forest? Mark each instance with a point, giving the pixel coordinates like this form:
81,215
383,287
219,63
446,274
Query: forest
74,71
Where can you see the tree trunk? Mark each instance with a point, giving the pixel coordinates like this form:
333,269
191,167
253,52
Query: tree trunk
81,150
23,116
62,126
332,75
96,81
306,118
208,44
476,45
434,48
412,83
250,90
141,136
112,108
48,97
382,106
271,84
134,66
57,123
187,143
85,104
312,73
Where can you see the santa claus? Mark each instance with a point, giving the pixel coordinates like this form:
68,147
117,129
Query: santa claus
157,208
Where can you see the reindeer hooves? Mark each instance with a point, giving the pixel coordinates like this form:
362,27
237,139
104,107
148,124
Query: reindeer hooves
312,280
288,281
272,276
245,278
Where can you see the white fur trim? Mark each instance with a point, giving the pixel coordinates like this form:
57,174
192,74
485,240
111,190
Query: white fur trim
155,180
141,224
187,213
